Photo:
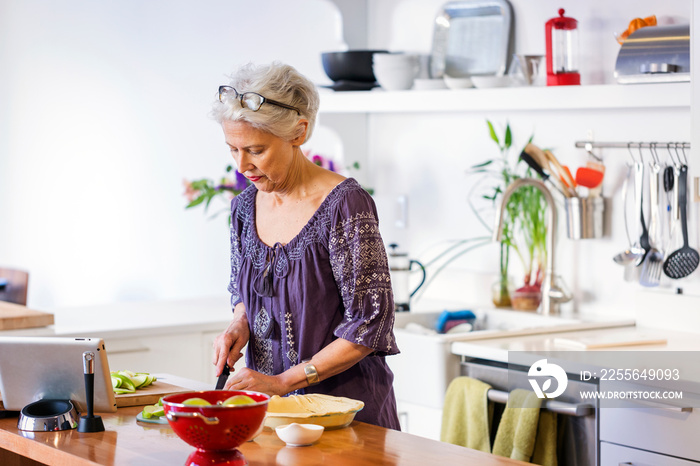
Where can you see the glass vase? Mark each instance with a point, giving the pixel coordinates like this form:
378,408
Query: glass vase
501,291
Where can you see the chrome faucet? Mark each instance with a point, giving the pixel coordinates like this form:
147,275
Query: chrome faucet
552,295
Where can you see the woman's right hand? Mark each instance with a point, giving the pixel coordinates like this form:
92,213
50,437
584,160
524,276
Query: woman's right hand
229,344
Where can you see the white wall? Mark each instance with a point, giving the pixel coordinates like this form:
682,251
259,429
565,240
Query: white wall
425,156
104,112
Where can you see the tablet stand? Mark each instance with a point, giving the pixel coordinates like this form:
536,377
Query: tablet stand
90,422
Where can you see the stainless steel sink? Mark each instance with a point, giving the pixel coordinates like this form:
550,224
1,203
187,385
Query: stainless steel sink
426,364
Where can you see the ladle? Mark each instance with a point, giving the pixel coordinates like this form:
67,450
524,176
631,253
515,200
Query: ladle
634,254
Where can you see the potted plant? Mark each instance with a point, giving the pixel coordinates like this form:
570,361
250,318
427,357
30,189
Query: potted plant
524,228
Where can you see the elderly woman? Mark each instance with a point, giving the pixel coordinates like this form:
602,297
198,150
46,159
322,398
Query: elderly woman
310,287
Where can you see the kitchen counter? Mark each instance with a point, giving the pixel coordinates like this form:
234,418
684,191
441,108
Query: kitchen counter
497,349
126,441
613,349
133,319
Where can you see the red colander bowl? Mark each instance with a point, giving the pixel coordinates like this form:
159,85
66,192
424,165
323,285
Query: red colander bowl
215,427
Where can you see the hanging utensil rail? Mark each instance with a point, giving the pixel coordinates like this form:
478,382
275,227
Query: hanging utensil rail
627,145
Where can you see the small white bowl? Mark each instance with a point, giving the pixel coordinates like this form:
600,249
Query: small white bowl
396,79
393,59
299,435
455,82
486,82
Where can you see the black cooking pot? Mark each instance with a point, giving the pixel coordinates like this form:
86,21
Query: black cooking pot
352,65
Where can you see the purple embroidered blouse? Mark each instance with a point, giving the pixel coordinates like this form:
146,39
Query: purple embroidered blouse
330,281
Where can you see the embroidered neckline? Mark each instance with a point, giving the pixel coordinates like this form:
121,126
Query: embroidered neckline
332,197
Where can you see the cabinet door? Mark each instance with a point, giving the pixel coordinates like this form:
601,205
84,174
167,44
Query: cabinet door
420,420
177,354
617,455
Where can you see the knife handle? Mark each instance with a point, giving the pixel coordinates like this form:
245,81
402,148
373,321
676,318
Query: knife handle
221,382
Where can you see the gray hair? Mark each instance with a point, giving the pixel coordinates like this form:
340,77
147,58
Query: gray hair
275,81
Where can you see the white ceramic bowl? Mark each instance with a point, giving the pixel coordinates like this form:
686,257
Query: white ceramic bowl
299,435
393,59
485,82
395,78
454,82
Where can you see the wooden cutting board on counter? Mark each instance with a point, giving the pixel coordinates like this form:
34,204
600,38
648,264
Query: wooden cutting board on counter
14,316
145,396
149,395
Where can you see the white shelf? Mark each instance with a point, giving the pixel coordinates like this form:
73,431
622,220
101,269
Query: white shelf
632,96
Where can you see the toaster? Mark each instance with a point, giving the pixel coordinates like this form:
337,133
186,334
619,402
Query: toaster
655,54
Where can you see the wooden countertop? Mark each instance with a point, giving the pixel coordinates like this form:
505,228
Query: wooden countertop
126,441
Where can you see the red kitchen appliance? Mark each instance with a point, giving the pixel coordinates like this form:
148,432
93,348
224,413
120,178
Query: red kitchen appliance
562,51
215,430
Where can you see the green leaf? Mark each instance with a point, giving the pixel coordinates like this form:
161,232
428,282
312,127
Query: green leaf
493,133
484,164
197,201
509,137
229,168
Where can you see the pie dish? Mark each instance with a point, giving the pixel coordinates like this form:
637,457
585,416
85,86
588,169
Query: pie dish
331,412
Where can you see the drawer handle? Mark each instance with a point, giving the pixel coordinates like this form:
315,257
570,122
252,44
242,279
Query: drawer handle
559,407
657,405
626,463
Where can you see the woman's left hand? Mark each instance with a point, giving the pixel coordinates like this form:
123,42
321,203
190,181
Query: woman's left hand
247,379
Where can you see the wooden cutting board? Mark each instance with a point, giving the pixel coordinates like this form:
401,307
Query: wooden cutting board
14,316
145,396
149,395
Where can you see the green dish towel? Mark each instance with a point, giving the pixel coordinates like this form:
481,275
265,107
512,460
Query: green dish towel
517,431
546,443
467,414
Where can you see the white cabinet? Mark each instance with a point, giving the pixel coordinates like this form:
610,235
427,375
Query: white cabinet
663,431
653,423
617,455
420,420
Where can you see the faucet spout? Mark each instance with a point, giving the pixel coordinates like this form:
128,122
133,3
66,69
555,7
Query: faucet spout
552,295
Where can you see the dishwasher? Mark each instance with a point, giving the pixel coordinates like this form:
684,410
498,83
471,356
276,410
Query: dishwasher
577,419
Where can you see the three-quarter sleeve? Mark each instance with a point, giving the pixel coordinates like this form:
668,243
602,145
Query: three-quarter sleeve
236,255
361,271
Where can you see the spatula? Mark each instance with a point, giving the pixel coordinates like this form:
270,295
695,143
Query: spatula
653,262
589,177
683,261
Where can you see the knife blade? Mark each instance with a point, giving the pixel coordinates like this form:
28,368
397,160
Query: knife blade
223,377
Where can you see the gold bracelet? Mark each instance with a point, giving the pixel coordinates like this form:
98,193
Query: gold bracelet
311,374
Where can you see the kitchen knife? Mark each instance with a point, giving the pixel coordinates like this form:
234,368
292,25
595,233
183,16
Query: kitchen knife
223,377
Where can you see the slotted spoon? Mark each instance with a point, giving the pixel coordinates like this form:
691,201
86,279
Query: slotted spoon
682,262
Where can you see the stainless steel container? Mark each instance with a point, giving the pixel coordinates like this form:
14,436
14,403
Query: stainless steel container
48,416
585,217
655,54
